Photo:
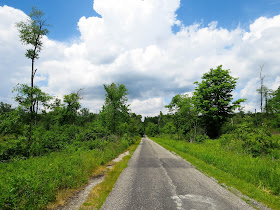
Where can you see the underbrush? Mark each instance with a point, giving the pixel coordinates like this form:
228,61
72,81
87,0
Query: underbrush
45,141
99,193
34,182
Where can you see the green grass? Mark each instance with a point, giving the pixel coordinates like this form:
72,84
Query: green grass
258,178
35,182
99,194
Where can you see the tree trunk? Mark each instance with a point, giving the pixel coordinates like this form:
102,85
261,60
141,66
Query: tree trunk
31,108
36,113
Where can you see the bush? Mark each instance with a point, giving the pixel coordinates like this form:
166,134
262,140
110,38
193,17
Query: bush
253,140
201,138
12,147
34,182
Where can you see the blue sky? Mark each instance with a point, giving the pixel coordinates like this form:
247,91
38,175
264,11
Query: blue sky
63,15
229,13
130,42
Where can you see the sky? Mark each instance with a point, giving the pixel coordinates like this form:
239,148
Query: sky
157,48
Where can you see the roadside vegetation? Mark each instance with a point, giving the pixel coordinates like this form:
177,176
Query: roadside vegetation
49,145
210,129
258,178
66,146
34,182
99,193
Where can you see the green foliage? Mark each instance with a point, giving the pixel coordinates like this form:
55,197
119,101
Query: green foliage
11,123
197,135
151,129
27,97
115,110
169,128
33,183
262,172
136,125
72,107
180,109
32,32
213,97
273,110
12,147
251,176
42,152
250,139
5,108
273,104
123,128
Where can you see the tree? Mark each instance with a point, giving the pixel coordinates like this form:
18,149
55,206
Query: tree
273,104
174,108
4,108
135,125
72,105
169,128
184,115
273,108
213,99
261,89
40,98
266,93
31,33
11,122
151,129
115,110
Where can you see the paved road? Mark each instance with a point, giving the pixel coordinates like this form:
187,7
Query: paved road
158,179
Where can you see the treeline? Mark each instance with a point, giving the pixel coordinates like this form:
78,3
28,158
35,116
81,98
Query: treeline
59,123
211,113
50,145
43,123
62,147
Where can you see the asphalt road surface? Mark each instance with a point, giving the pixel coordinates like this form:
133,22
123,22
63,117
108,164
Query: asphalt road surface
158,179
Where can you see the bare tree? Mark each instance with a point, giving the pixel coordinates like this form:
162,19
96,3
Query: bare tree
261,89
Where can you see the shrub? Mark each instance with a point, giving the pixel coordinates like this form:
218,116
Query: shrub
253,140
34,182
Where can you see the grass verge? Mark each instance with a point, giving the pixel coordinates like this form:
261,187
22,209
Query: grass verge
38,181
215,162
100,192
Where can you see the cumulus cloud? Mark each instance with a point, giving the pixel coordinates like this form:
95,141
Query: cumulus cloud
151,106
12,62
132,43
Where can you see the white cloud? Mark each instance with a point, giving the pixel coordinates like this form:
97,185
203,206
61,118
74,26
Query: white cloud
151,106
133,43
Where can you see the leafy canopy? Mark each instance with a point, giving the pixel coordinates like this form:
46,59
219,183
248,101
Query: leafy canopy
32,32
273,105
24,93
213,98
115,110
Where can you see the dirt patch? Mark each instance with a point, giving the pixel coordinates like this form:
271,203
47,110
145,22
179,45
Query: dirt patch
120,157
75,201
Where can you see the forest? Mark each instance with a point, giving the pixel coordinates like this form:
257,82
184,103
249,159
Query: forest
49,143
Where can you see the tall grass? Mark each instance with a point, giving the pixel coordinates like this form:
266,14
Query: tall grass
34,182
262,172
